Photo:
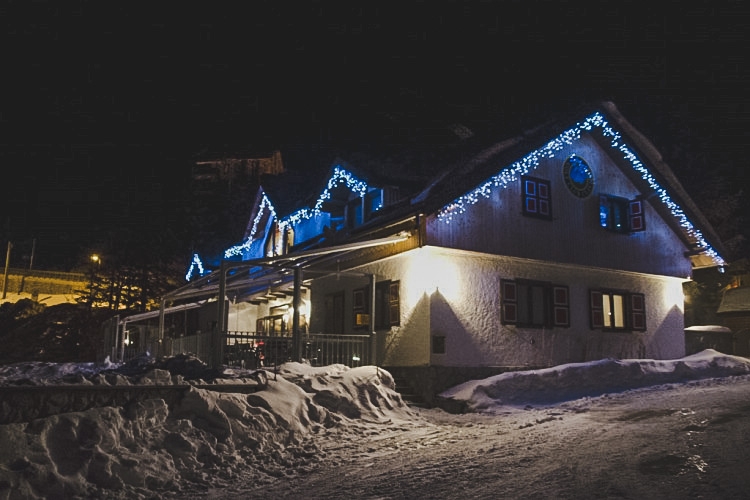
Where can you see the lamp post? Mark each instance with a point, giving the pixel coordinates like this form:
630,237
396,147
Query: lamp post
96,263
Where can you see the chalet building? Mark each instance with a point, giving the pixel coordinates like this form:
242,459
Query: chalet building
567,243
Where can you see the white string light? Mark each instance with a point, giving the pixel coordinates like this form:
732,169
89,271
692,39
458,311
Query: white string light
195,264
531,161
338,177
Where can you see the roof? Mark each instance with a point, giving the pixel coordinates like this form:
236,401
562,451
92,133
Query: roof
437,167
735,300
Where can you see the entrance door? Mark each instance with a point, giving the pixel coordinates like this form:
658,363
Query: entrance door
334,322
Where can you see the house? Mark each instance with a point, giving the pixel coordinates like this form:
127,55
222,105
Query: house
566,243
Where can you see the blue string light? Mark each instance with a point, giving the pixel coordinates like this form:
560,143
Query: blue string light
195,264
339,176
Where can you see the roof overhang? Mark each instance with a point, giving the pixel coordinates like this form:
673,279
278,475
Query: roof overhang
276,273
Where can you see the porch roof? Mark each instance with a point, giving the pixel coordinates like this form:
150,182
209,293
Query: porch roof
256,277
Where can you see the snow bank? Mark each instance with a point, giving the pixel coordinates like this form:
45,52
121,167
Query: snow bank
208,438
576,380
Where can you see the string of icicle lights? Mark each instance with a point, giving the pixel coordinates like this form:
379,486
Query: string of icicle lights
195,264
531,161
339,176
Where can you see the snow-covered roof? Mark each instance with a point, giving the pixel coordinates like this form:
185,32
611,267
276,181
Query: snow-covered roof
735,300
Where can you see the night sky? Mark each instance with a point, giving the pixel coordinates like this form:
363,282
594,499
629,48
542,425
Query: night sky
105,104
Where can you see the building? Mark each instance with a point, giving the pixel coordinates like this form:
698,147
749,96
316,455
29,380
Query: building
566,243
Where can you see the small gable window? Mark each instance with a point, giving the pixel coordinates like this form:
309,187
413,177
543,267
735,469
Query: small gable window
621,215
536,197
614,310
534,304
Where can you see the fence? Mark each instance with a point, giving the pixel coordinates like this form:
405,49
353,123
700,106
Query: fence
248,350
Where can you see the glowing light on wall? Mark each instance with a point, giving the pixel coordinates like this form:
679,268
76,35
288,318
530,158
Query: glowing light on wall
421,276
673,296
196,264
531,161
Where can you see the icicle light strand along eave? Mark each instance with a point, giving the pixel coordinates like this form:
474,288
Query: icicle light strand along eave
531,161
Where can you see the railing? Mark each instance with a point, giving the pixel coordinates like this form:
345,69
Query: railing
248,350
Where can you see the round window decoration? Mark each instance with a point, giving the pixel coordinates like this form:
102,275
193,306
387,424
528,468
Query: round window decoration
578,176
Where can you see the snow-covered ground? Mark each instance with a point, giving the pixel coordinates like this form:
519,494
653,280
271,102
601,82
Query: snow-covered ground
604,429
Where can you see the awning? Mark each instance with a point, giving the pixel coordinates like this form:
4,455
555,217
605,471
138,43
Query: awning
254,277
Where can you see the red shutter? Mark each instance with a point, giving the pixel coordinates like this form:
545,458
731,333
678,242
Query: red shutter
560,306
597,309
509,302
637,311
543,193
636,216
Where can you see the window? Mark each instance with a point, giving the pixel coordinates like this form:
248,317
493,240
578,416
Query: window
361,308
536,197
613,310
438,344
387,304
621,215
535,304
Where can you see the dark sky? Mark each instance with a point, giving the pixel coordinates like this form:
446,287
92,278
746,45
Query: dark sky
101,99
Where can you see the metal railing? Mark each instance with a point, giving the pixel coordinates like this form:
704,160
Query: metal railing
249,350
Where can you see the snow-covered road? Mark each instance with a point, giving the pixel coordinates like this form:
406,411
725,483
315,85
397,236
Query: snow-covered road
675,441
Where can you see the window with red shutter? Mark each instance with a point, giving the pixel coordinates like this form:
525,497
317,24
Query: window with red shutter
614,310
534,304
536,197
636,218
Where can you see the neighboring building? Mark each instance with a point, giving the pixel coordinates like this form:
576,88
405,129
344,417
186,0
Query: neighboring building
734,313
567,243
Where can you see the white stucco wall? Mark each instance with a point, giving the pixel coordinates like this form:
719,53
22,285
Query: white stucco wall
456,294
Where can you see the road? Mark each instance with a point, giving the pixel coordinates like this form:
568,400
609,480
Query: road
677,441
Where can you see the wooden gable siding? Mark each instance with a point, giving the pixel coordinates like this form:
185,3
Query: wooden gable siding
496,225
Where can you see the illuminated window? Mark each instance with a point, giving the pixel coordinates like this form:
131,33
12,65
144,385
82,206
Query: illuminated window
535,304
536,197
612,310
621,215
361,308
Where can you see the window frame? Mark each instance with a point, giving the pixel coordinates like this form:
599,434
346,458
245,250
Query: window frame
555,306
387,304
633,310
536,197
631,212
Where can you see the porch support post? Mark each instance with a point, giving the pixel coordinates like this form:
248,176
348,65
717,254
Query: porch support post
296,303
162,308
217,336
373,336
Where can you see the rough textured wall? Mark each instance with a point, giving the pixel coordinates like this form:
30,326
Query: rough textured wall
456,295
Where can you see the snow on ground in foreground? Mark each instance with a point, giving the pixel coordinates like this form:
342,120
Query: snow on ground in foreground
209,439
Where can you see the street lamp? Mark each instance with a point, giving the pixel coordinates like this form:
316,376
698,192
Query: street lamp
95,261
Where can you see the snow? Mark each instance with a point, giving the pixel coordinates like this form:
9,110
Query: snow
708,328
608,428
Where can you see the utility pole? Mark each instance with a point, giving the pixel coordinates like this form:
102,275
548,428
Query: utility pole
7,265
33,248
